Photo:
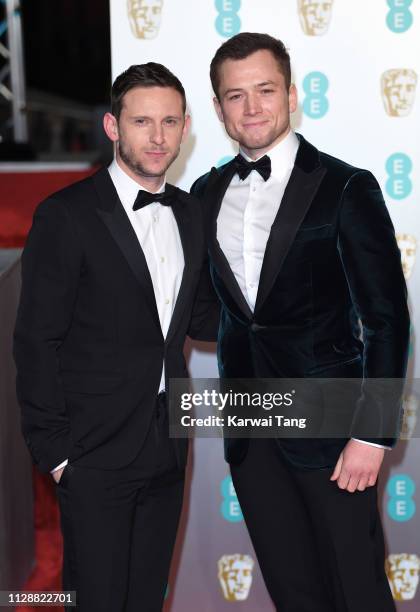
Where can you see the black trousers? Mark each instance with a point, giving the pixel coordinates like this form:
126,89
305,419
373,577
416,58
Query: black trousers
320,549
119,526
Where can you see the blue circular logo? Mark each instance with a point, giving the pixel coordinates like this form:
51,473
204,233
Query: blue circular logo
315,103
228,6
398,167
228,22
230,508
401,507
399,18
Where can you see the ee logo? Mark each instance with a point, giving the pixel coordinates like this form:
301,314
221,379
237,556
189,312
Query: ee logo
228,22
315,86
399,18
230,508
398,167
401,506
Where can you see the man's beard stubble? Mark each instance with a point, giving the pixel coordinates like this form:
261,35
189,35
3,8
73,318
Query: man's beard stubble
128,157
256,144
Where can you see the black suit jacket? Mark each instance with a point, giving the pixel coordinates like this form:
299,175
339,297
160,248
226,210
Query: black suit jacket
88,342
331,259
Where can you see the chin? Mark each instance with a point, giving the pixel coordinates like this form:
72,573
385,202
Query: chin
259,143
155,170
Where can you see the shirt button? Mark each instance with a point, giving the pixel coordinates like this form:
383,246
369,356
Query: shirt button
254,189
166,301
162,259
155,218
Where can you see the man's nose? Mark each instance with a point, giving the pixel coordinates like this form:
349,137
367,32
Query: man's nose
157,135
252,105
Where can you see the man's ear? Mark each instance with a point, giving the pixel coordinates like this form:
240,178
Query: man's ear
293,98
218,108
111,127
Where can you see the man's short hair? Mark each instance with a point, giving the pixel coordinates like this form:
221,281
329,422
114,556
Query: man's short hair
143,75
244,44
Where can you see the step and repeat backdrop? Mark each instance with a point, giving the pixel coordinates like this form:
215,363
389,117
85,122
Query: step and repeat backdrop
356,65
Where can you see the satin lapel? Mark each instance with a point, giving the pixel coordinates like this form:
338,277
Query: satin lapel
216,189
114,216
182,216
298,196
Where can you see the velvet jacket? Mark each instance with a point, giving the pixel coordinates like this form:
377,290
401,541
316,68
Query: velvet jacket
331,261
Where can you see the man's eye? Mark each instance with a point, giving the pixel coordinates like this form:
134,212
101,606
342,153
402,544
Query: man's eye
170,121
234,97
267,91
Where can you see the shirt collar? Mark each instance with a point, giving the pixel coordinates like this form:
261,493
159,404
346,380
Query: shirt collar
282,155
127,188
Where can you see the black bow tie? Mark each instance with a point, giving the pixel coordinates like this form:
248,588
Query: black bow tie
244,167
145,197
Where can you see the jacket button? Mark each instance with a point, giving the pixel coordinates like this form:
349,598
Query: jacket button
255,327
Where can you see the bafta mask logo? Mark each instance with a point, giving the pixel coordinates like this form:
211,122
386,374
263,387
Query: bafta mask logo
145,17
398,91
235,576
403,575
408,247
315,16
410,409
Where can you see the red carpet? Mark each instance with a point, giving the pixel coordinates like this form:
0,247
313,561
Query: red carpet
21,192
46,575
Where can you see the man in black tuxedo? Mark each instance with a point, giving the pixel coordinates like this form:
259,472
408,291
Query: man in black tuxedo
111,285
301,248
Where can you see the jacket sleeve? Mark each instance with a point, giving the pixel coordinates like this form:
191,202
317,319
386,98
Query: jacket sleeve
51,264
372,264
204,323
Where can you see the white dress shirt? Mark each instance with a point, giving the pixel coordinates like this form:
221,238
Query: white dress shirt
247,213
157,232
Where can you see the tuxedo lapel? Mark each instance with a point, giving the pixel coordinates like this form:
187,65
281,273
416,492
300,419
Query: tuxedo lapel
112,213
218,183
182,217
303,184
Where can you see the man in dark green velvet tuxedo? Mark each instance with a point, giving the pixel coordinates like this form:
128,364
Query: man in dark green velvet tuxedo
302,248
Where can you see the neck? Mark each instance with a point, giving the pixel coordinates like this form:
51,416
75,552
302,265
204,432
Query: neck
151,183
256,153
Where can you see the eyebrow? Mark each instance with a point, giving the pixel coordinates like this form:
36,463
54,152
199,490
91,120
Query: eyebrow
263,84
148,117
